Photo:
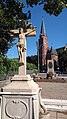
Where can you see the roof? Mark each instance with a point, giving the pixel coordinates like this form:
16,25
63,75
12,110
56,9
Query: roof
43,31
53,51
62,48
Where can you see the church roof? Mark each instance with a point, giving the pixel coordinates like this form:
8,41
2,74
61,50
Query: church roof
53,51
43,31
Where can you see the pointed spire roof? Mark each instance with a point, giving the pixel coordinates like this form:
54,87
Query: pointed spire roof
43,31
53,51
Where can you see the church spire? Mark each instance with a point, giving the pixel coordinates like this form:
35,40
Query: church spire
43,31
43,46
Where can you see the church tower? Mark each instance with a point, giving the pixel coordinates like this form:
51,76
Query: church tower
42,49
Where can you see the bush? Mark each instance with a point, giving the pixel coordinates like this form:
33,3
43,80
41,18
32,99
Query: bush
8,67
31,66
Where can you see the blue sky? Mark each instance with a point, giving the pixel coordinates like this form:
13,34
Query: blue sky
56,30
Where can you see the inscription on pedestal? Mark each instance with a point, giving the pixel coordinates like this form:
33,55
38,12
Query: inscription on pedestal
17,106
16,109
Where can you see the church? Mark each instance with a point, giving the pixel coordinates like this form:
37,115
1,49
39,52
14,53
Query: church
44,52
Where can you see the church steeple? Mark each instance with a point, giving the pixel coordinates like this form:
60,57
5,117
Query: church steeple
43,46
43,31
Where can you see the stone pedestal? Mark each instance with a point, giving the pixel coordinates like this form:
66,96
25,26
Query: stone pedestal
20,99
50,66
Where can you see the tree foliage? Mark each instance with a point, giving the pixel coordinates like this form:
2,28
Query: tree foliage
50,6
10,15
8,66
33,59
31,66
62,57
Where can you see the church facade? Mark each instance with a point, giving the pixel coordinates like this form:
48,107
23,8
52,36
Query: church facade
44,52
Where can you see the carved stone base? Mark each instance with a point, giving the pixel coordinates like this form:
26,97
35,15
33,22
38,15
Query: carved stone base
20,98
16,107
21,83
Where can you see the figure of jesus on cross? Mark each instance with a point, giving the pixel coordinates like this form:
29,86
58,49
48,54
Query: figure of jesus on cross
21,45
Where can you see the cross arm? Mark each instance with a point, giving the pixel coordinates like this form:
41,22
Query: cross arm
31,32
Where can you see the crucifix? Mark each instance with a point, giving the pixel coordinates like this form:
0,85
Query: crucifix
21,45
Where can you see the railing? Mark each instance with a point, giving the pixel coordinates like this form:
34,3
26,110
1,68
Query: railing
58,106
55,105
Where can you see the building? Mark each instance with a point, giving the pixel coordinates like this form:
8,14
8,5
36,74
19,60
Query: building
42,48
44,52
53,55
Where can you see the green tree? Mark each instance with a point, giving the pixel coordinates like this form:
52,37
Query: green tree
33,59
12,66
31,66
62,57
50,6
11,17
8,66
